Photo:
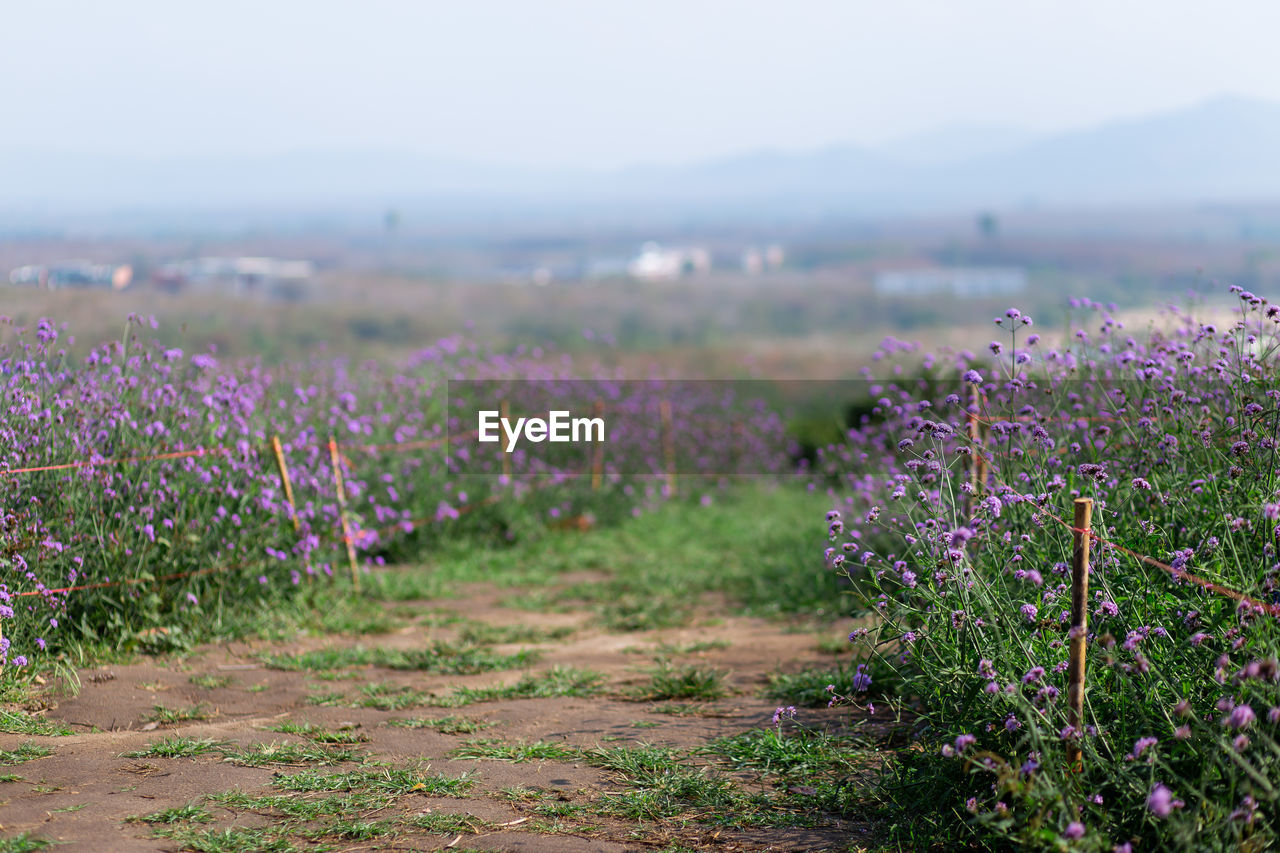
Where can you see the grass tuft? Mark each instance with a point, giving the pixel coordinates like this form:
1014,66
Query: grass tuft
494,750
173,716
20,723
24,752
177,747
448,725
679,682
291,754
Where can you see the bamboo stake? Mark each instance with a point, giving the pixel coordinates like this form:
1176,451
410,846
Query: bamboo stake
284,481
668,446
1079,628
342,514
505,413
597,453
978,469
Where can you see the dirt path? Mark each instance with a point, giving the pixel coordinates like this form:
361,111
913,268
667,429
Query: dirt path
541,766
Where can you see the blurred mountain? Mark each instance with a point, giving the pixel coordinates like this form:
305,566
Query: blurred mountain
955,143
1225,149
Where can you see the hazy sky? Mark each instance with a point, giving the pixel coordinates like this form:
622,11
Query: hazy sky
602,82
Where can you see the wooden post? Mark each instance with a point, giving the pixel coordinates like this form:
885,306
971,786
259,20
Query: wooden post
505,413
284,481
342,513
668,446
978,462
597,453
1080,534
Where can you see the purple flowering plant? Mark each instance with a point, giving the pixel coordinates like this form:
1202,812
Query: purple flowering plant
156,501
1174,433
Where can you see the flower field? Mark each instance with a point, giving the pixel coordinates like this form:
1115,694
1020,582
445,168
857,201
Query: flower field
952,513
140,495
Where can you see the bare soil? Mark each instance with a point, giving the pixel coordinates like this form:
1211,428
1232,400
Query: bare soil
81,796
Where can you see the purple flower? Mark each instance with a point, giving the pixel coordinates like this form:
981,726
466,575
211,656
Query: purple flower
861,679
1247,811
1241,716
1074,830
1140,746
972,376
1160,802
1029,613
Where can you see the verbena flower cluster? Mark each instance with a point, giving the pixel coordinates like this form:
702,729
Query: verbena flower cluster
952,504
155,541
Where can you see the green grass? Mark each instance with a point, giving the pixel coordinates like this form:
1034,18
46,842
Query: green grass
390,697
190,813
794,753
755,546
383,780
211,681
327,699
808,688
684,709
178,747
292,807
438,658
522,794
558,681
173,716
293,754
691,648
834,643
494,750
682,682
23,753
19,723
23,842
354,829
10,777
319,734
232,840
448,725
457,659
487,634
444,824
332,657
657,784
343,807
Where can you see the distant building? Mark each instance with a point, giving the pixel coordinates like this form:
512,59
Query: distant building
964,282
238,277
756,260
657,263
66,274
